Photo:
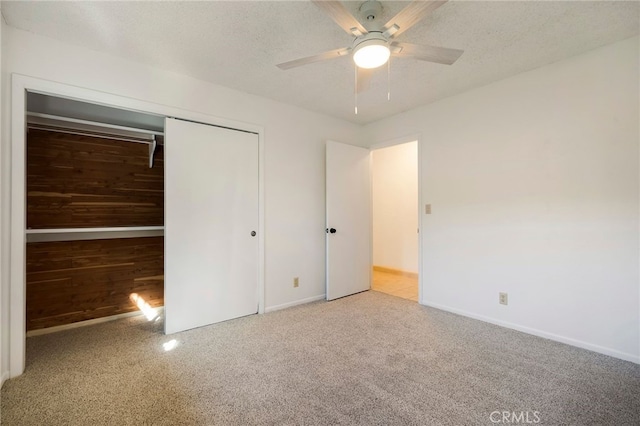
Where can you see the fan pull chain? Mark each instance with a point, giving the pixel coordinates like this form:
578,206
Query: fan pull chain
355,89
389,80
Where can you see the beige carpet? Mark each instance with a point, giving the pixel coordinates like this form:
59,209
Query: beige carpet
369,359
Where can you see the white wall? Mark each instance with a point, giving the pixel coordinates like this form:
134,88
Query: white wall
533,182
395,206
294,148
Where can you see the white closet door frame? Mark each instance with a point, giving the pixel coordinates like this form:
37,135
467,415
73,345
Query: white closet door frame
16,257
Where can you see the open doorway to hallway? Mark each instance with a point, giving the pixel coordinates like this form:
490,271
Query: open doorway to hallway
395,220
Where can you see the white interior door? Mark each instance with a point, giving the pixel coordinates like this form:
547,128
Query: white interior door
348,198
211,217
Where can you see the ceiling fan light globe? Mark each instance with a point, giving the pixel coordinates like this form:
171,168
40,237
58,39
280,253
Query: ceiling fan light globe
371,54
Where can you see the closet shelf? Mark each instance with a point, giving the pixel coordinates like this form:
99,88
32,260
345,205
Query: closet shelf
87,230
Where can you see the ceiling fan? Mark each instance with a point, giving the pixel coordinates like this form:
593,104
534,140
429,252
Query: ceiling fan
375,43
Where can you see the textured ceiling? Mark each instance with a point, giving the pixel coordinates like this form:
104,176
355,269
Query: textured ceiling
238,44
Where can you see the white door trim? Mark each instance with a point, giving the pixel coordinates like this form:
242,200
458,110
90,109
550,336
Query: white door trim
20,84
398,141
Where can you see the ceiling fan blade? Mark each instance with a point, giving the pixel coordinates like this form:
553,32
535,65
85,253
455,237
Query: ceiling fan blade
410,15
341,16
331,54
364,79
441,55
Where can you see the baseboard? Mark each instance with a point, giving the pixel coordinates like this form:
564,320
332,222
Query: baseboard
3,378
295,303
551,336
78,324
395,271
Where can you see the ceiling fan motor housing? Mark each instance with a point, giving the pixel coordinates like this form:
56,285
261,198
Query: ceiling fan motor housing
373,37
371,10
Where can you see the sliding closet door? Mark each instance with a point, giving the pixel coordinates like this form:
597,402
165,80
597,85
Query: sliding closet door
211,220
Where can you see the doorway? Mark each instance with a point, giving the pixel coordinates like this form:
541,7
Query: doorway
395,242
94,214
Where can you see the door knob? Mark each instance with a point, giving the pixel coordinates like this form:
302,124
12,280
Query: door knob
331,230
253,233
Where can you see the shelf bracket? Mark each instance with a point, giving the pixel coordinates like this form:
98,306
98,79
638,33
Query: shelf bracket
152,150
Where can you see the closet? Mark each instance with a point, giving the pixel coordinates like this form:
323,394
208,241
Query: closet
94,212
110,230
119,203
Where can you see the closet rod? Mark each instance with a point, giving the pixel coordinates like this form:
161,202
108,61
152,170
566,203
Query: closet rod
37,115
80,133
73,126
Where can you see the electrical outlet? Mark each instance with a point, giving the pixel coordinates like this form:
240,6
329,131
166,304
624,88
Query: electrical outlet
296,282
504,299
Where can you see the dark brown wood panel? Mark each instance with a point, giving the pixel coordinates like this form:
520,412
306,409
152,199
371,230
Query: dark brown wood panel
90,182
70,281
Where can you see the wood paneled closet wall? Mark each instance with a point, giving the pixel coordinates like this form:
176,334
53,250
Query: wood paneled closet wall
95,183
